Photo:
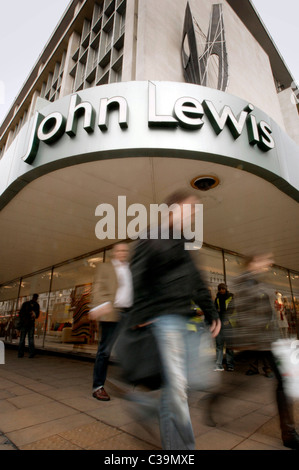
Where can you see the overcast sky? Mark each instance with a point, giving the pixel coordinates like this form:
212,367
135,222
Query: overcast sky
26,26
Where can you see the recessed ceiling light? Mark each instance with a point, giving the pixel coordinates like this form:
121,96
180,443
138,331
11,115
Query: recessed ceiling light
205,182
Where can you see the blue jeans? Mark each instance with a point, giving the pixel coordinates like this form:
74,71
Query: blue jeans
23,332
176,346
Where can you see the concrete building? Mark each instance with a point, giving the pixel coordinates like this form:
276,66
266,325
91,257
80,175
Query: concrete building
136,98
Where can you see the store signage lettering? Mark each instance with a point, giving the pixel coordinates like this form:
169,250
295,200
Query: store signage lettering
187,113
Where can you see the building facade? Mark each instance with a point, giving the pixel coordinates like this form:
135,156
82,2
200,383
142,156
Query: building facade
133,99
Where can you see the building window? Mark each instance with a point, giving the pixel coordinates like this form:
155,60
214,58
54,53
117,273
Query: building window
50,89
98,59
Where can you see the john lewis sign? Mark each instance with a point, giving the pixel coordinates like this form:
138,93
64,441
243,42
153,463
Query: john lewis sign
149,119
187,112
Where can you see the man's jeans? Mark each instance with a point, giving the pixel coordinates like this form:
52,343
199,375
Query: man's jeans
108,336
176,346
23,332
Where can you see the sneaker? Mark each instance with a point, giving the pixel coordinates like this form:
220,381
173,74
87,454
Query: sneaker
230,369
219,369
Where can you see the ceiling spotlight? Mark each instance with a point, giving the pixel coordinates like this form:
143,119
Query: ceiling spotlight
204,182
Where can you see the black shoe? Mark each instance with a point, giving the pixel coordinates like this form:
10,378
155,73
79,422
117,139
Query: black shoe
292,442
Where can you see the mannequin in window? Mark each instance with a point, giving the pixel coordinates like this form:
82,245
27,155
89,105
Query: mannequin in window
281,316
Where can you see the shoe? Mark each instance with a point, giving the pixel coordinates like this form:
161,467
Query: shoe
292,442
101,394
230,369
219,369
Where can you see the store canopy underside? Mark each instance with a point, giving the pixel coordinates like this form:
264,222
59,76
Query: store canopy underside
53,218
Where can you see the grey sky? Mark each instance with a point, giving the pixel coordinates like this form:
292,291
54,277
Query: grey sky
281,20
26,26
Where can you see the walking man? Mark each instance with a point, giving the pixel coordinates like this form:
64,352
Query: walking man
112,298
165,281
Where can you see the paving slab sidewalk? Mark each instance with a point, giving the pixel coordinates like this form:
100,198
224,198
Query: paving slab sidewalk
46,404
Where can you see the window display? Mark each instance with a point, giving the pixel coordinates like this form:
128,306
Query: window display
64,297
8,306
67,320
294,305
278,281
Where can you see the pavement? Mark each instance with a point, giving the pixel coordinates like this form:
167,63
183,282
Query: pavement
46,403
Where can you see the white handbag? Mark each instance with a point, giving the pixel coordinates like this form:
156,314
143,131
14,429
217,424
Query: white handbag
286,354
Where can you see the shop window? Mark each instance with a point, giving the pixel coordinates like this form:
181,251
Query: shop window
277,280
67,320
294,277
210,263
233,267
8,305
36,284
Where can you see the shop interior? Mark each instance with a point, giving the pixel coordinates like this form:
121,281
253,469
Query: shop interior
64,297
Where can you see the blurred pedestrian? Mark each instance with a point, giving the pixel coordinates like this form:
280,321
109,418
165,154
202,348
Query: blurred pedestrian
112,296
256,329
29,312
224,305
165,282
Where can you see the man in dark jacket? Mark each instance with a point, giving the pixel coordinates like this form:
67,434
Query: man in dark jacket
28,313
165,281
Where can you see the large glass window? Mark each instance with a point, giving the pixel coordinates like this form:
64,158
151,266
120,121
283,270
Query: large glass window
8,306
69,299
295,306
233,268
64,296
278,281
36,284
210,263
